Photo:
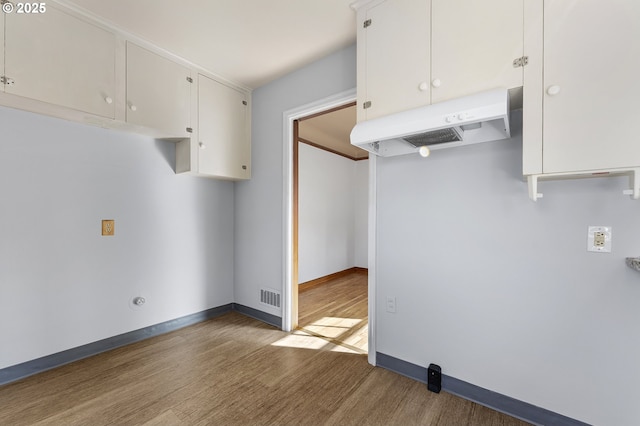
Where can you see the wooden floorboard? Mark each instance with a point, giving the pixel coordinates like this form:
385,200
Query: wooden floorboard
337,310
233,370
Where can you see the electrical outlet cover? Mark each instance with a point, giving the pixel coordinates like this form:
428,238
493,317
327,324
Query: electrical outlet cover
108,227
599,239
391,305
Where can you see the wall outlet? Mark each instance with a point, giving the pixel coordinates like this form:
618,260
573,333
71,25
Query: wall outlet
391,305
108,227
599,239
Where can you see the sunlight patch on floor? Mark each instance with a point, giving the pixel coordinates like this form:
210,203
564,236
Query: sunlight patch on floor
344,349
359,337
332,327
346,335
299,339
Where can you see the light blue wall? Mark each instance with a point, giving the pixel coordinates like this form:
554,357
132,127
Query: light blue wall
259,202
326,213
501,291
361,214
62,284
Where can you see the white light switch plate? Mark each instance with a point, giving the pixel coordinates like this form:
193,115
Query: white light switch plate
391,305
599,239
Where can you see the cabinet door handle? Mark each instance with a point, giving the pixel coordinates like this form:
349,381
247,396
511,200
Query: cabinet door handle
436,82
202,145
553,90
108,100
423,86
133,107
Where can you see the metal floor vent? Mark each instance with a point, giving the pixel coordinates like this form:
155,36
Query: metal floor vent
270,297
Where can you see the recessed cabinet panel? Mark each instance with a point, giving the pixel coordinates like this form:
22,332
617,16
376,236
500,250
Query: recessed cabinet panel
158,93
396,58
591,85
223,136
2,24
57,58
473,46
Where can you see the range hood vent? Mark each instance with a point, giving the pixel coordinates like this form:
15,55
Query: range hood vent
434,137
482,117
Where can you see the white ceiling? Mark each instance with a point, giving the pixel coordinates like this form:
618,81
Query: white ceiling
250,42
332,130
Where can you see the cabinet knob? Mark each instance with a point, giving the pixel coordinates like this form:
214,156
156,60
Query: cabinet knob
133,107
436,82
553,90
423,86
108,100
202,145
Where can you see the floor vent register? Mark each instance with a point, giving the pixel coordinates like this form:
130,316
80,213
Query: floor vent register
270,297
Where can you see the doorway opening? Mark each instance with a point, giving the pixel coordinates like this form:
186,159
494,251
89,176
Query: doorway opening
329,229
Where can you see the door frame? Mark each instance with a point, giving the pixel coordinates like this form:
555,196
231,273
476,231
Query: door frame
289,306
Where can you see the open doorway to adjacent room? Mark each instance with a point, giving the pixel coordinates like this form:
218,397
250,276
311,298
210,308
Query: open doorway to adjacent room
330,202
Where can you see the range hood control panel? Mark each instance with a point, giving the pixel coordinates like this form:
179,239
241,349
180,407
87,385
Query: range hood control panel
463,116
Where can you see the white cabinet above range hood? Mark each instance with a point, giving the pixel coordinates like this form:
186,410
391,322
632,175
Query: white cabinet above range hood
481,117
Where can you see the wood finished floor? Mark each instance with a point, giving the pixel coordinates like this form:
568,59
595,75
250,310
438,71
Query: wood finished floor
233,370
337,311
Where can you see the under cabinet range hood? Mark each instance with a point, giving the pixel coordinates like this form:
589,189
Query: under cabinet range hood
481,117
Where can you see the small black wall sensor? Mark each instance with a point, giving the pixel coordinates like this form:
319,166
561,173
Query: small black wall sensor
434,378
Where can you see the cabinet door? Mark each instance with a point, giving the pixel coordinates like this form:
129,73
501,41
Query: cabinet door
590,105
57,58
396,57
223,136
473,46
2,24
158,93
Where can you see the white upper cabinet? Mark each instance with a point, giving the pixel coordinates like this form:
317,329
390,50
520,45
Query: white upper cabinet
2,23
63,63
57,58
591,85
581,91
413,53
473,46
223,131
221,146
158,93
393,57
